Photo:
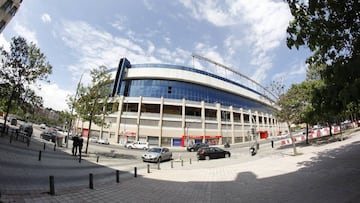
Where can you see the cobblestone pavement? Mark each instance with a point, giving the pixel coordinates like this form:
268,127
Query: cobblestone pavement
322,173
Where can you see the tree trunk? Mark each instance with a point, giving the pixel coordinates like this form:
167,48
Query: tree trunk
292,139
88,138
307,133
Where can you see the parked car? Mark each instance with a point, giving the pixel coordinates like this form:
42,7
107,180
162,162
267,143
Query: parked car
13,121
43,126
49,135
103,141
138,145
93,139
157,154
195,147
212,153
26,128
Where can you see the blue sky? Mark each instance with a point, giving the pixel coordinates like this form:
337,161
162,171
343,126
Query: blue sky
77,36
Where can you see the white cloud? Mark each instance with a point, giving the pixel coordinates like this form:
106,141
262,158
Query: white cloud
211,11
5,44
46,18
260,25
296,70
23,31
53,96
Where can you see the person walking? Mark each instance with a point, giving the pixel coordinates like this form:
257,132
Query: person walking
75,145
80,143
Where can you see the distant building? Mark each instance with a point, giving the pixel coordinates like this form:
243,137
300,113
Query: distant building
173,105
8,8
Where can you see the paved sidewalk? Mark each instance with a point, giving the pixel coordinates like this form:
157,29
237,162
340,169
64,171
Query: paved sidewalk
323,173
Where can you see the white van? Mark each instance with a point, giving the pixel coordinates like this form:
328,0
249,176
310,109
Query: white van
137,145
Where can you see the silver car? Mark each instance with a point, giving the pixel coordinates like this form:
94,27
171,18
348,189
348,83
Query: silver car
157,154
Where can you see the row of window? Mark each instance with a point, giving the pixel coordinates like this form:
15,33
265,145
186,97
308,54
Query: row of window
169,110
189,91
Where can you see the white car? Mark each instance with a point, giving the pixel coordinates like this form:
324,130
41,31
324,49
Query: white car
93,139
137,145
103,141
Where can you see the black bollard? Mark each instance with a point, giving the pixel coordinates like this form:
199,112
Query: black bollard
135,172
97,159
91,182
272,143
52,186
40,155
54,147
257,146
148,168
44,146
190,160
172,164
182,162
80,158
117,176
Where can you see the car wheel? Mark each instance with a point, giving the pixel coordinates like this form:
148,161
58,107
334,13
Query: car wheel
207,158
129,147
192,150
227,155
144,148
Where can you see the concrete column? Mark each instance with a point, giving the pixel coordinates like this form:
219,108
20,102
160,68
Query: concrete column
218,116
138,118
161,119
242,124
203,125
118,118
232,125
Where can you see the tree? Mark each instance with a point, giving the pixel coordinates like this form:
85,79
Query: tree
292,106
93,99
23,65
329,28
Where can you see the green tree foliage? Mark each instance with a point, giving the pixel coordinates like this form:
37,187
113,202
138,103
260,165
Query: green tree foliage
330,28
22,66
93,99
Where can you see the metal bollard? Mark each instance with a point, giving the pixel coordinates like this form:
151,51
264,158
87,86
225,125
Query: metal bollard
97,159
190,160
135,172
172,164
158,165
40,155
91,181
148,168
257,146
117,176
272,143
44,146
182,162
54,147
52,185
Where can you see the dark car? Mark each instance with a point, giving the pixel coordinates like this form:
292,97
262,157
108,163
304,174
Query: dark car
27,129
212,153
49,135
195,147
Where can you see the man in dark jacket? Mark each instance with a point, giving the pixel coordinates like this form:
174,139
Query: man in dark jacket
75,145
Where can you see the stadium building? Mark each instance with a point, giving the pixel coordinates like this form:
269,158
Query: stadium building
173,105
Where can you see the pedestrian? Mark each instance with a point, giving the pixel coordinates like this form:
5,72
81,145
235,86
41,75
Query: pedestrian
75,145
81,141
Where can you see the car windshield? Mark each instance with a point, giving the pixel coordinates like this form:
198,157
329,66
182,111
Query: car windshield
157,150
